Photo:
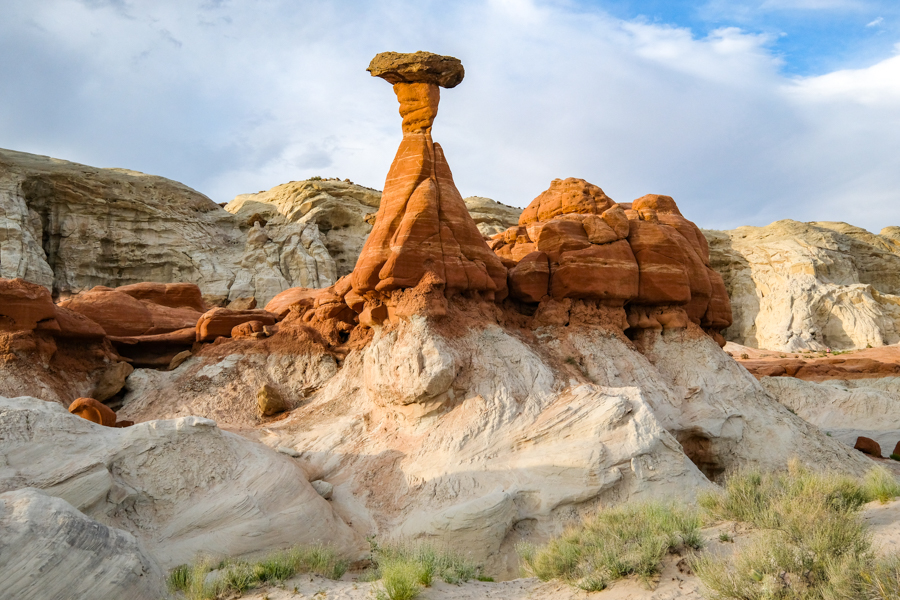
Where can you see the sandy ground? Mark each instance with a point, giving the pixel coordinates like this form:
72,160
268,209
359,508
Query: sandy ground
676,582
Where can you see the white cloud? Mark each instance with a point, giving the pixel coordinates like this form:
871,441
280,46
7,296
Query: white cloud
875,22
265,92
813,5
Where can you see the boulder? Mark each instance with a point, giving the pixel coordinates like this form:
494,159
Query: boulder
896,451
51,550
417,67
270,401
178,359
219,322
325,489
93,411
868,446
662,263
242,304
23,305
112,380
561,235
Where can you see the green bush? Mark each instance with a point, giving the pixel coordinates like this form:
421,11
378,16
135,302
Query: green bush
401,579
238,576
625,540
812,543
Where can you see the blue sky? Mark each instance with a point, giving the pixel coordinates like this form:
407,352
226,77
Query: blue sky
811,37
746,112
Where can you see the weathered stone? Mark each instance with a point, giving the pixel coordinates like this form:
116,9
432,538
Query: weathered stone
23,305
120,314
417,67
178,359
491,217
242,304
325,489
529,281
868,446
93,411
566,196
250,329
220,321
173,295
270,401
112,381
607,272
281,304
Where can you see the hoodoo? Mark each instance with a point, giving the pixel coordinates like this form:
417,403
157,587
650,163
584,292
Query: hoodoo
422,225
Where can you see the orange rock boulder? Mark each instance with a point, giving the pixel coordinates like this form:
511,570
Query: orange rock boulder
96,412
121,314
422,225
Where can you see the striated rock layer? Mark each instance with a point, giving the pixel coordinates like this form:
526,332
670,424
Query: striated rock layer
422,225
71,227
810,286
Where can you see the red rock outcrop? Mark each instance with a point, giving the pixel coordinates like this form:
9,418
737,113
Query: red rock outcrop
96,412
121,314
422,225
281,304
23,305
219,322
173,295
644,256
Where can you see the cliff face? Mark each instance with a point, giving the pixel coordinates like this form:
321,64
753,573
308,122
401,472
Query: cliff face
70,227
797,286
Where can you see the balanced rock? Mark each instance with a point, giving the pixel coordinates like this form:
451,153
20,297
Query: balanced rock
422,224
417,67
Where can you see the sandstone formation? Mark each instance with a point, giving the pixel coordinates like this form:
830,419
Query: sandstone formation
573,241
471,431
270,401
810,286
845,409
491,217
422,225
180,487
868,363
70,227
341,211
219,322
51,551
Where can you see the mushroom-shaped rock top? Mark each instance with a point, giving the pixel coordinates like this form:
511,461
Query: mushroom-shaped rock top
417,67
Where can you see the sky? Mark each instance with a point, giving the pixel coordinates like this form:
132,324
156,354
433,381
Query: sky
745,111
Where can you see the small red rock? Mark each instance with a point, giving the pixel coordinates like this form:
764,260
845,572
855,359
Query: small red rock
868,446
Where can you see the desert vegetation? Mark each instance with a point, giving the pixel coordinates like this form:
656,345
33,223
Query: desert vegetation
404,569
209,579
806,540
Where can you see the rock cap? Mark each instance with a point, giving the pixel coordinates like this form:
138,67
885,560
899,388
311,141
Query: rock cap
417,67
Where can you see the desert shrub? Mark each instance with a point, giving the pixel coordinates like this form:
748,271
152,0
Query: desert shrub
812,543
883,581
879,484
445,564
238,576
895,456
626,540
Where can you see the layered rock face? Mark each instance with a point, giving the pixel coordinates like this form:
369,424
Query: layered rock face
809,286
180,487
70,227
422,225
342,212
574,242
51,550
